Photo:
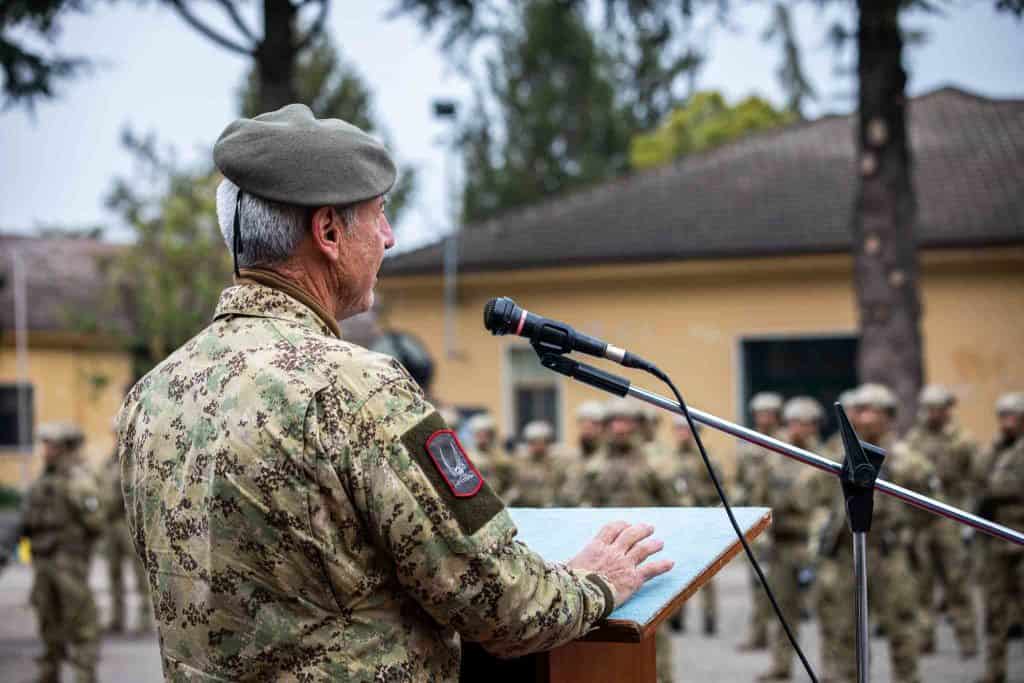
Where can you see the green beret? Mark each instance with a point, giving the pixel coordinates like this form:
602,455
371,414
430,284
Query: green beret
290,156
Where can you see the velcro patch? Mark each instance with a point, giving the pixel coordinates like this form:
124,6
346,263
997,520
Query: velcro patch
451,461
477,504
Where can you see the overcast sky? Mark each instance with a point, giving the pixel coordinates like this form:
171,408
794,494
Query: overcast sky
157,75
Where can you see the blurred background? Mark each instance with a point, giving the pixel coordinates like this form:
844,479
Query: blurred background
793,196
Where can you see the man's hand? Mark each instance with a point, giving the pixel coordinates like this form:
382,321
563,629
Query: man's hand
617,553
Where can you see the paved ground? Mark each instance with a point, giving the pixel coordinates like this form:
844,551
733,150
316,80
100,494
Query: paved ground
697,658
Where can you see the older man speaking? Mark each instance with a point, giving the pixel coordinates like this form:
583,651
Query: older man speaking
302,511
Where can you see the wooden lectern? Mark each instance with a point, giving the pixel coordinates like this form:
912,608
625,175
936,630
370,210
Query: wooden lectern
700,541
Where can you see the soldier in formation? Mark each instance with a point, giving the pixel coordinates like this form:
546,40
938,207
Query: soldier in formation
694,488
830,603
939,555
63,517
766,409
538,475
1002,500
488,454
622,475
790,491
119,549
590,418
895,597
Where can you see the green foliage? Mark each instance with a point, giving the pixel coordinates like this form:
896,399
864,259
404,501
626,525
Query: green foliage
654,65
29,72
548,121
332,88
706,121
171,276
794,80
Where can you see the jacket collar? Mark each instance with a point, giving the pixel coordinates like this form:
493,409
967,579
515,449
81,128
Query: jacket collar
252,298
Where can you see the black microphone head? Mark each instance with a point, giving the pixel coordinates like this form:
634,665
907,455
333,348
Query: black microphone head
501,315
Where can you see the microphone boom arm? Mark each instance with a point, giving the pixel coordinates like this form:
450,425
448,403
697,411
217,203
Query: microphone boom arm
620,386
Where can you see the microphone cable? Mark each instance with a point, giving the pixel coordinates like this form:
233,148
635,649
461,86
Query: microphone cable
656,371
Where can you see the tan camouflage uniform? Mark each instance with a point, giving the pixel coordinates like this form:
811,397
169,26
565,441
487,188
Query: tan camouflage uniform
489,457
892,589
118,549
280,489
1002,501
831,604
751,477
539,476
792,495
695,489
938,552
63,519
621,475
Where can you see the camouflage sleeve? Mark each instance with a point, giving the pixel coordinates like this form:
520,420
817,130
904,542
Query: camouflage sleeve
451,539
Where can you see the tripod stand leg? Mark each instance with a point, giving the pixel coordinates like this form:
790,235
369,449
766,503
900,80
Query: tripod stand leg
860,572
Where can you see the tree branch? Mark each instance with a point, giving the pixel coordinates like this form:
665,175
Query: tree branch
315,28
236,18
212,35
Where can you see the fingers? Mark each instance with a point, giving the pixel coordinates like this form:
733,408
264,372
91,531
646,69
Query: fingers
633,535
657,568
641,551
609,532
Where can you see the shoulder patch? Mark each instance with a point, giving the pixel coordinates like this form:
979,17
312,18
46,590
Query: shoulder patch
451,460
440,456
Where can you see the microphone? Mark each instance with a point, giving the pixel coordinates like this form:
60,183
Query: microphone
503,316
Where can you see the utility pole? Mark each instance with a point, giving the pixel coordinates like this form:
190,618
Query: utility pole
447,110
21,363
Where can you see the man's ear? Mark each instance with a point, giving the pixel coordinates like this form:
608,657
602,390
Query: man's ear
326,230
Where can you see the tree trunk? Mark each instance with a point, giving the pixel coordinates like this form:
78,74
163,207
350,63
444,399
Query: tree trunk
276,55
884,241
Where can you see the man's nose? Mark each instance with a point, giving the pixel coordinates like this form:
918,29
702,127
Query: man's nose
389,235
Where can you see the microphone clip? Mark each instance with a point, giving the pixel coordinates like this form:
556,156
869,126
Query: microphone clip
550,337
582,372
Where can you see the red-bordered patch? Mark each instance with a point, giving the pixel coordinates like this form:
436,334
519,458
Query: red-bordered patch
451,461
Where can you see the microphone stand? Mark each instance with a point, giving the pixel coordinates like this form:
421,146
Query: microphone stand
858,475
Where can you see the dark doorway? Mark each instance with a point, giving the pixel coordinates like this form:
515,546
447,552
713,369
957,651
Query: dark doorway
820,367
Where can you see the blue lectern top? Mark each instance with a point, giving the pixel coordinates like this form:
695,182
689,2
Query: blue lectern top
699,540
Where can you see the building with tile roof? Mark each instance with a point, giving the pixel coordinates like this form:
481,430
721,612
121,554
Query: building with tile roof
731,269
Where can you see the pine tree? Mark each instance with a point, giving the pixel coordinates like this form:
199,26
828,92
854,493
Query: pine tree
548,121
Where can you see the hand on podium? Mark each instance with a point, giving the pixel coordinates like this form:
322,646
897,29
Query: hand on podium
618,553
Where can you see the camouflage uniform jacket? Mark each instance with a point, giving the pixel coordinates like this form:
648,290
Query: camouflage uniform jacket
894,521
63,513
792,492
625,477
537,480
953,453
279,486
752,473
1003,498
695,485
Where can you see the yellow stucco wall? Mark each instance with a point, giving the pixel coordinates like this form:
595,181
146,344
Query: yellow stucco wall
689,317
82,385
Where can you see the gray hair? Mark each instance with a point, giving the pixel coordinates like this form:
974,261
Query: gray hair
271,231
